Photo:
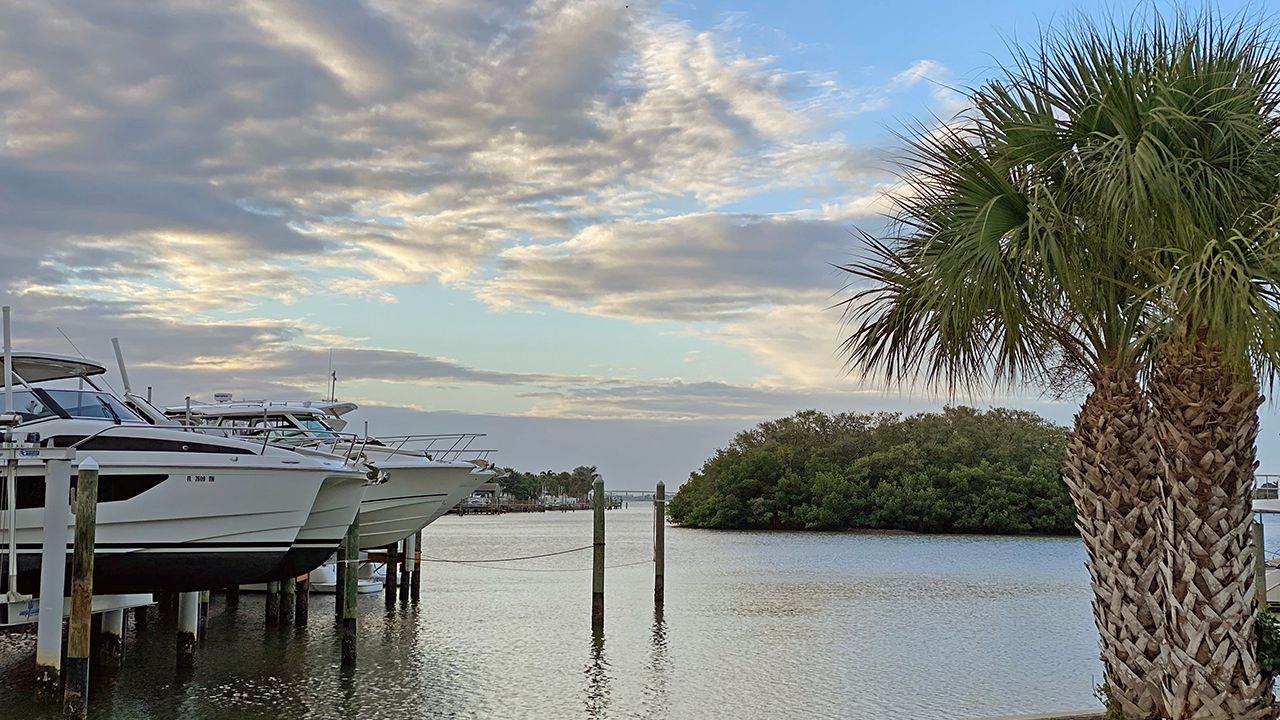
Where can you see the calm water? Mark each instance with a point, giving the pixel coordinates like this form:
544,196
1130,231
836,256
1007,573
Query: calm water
757,625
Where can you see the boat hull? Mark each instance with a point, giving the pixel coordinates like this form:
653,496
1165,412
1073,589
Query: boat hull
177,523
336,505
407,501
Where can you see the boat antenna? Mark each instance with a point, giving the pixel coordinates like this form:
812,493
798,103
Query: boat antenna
333,378
8,372
124,374
85,357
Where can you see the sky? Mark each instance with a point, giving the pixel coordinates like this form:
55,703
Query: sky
600,232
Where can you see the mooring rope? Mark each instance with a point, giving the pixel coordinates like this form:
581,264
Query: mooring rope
510,559
543,570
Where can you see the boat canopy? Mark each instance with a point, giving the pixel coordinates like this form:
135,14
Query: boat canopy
43,367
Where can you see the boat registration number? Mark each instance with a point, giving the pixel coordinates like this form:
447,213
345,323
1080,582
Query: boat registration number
200,478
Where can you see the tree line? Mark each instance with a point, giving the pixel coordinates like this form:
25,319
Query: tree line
961,470
525,486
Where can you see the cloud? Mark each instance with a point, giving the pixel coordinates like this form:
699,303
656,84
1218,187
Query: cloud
686,268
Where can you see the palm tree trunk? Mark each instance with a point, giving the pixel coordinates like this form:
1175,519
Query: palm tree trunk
1112,470
1207,425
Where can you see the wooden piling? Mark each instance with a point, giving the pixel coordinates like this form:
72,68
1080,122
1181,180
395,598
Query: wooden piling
233,597
288,602
188,628
597,556
140,618
202,619
57,516
111,639
415,579
659,545
1260,565
273,603
350,553
75,694
340,571
302,602
405,580
389,577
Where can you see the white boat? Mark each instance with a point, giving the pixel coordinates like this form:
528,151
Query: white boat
178,508
423,476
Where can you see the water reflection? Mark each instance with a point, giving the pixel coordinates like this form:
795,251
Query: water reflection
657,700
597,675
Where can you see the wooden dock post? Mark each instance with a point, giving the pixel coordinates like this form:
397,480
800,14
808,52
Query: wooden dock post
140,618
233,597
389,577
1260,565
111,639
202,619
188,628
289,600
302,601
415,579
405,579
659,545
75,694
57,517
597,556
340,571
350,553
273,604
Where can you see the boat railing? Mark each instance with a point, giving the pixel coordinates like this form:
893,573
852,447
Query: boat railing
1266,487
345,444
442,446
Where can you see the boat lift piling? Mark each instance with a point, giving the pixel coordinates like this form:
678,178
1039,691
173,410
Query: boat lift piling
405,579
350,553
288,599
302,601
111,639
202,619
415,578
597,556
273,604
188,628
53,559
75,695
659,545
389,577
340,571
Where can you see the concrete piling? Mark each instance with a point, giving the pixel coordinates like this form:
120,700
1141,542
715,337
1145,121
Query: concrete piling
597,556
350,554
273,604
415,579
75,693
188,628
57,516
111,639
659,545
288,601
302,601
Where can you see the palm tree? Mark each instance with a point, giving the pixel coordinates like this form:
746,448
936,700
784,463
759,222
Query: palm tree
1035,241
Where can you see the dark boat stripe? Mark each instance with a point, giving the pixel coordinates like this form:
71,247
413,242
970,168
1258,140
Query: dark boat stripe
407,497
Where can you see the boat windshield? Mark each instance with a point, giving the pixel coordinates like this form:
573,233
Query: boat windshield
76,403
315,426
